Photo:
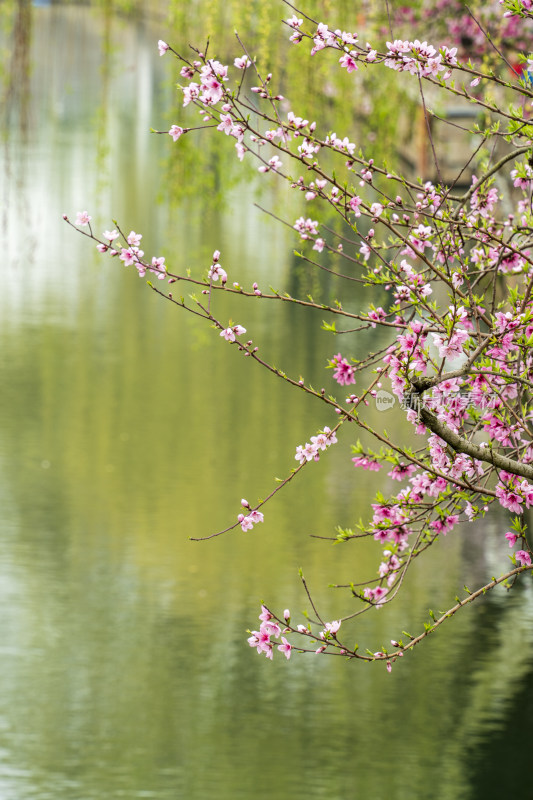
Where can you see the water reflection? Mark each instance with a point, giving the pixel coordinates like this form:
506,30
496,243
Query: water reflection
125,668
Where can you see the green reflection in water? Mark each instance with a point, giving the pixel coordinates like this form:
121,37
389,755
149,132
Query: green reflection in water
125,667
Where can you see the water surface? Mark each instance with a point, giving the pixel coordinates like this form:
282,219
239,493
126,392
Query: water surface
126,428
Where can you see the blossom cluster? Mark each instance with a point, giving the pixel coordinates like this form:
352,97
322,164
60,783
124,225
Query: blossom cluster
513,494
262,639
420,58
129,253
230,334
247,521
344,372
310,451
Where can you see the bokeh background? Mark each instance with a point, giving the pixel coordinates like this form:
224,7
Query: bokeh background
126,428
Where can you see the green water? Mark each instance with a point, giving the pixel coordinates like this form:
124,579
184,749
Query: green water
126,428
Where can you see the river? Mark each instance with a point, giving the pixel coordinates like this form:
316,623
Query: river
126,428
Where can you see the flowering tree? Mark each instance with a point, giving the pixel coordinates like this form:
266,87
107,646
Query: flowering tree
457,269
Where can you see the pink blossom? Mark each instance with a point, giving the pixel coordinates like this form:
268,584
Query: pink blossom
451,347
296,122
245,522
378,315
366,463
175,131
111,235
349,62
163,47
376,596
320,442
401,471
379,595
134,239
216,272
270,628
523,558
229,334
333,627
365,251
242,63
262,642
306,227
344,372
420,235
294,22
226,124
274,163
300,455
526,490
509,499
330,435
307,149
83,218
354,204
285,648
265,614
130,255
248,522
511,538
190,93
310,451
158,267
